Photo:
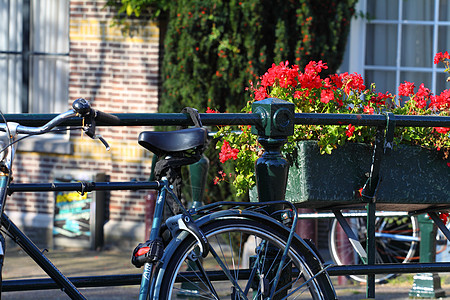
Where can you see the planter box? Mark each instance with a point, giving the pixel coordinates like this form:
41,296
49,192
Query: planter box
412,178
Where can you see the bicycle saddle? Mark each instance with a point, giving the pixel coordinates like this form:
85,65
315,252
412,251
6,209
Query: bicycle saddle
165,142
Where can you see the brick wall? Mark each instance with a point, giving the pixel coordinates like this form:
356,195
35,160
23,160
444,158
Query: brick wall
117,73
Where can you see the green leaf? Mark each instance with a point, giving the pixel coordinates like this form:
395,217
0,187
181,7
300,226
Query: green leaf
130,9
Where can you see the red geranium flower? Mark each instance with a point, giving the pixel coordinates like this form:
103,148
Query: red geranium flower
440,57
211,111
406,89
442,130
350,130
326,96
369,110
227,152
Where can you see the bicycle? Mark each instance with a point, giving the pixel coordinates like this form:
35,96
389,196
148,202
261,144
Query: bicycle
396,240
197,252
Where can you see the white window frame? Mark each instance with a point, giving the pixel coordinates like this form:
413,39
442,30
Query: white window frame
42,52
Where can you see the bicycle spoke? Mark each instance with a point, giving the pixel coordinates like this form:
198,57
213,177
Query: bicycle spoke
226,271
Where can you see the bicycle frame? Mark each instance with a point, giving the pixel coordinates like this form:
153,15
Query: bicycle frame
156,225
19,237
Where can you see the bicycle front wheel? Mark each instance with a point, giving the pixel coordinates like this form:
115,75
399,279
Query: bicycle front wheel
242,265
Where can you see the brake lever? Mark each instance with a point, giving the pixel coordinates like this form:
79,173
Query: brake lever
82,108
89,130
104,142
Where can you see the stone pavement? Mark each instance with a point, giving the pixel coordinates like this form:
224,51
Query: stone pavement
75,262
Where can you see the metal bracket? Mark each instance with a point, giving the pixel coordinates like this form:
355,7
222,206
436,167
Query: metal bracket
389,135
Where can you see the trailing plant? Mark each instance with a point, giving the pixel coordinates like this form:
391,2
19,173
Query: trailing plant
337,93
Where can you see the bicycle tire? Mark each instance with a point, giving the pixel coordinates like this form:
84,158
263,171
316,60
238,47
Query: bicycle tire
388,249
219,233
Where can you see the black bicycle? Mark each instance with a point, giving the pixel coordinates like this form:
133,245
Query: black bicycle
225,250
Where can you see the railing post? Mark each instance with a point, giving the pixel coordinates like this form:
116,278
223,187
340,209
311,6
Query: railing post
271,169
427,285
277,119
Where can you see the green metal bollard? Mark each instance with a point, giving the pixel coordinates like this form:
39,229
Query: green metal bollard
277,118
198,174
427,285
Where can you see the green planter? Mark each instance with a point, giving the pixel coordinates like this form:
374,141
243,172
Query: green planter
410,175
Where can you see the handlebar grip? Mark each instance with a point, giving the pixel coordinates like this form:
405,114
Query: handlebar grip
83,108
106,118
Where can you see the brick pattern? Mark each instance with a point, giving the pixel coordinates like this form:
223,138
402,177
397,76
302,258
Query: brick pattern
117,73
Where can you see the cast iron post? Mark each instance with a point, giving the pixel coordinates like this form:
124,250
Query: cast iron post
271,169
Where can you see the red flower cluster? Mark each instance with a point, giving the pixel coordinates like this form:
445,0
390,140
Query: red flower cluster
352,81
303,83
211,111
440,102
422,96
380,98
281,74
441,57
444,217
406,89
227,152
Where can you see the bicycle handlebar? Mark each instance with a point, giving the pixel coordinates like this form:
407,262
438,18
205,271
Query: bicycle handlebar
81,108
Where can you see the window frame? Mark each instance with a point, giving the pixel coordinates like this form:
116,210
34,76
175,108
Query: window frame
56,143
357,43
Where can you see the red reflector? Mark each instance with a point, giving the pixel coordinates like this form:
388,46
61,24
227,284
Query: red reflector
142,251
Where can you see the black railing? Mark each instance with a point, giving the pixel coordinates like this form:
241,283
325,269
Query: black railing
178,119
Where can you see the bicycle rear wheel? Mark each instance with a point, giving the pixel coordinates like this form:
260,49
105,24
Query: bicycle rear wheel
396,240
185,275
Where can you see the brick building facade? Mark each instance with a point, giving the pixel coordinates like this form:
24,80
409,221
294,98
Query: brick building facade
118,73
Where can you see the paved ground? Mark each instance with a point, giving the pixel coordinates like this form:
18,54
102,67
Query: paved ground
73,262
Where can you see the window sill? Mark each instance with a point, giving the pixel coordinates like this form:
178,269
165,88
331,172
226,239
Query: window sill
55,144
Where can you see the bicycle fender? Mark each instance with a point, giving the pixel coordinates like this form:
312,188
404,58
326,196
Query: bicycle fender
233,213
204,220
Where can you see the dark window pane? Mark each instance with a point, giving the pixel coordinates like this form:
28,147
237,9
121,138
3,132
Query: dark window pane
444,10
383,9
417,44
381,45
420,10
417,78
384,80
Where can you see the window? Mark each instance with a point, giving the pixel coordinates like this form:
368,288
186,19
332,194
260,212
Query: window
397,43
34,56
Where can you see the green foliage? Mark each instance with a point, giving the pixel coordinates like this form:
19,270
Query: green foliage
212,48
137,8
